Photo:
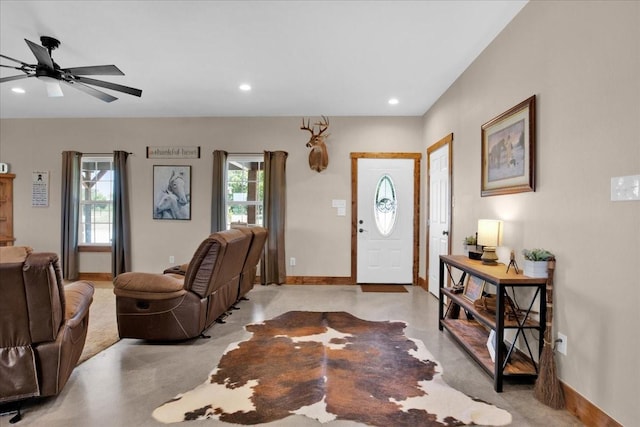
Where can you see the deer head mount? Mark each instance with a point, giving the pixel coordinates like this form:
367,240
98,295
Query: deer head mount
318,157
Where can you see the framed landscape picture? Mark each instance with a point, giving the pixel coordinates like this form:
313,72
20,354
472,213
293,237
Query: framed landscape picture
508,151
473,288
172,192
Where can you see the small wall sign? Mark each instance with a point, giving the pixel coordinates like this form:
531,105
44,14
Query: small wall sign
40,189
173,152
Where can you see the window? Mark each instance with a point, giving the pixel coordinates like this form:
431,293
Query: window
96,201
385,205
245,189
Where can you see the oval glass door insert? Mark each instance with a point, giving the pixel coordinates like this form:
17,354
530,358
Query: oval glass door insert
385,205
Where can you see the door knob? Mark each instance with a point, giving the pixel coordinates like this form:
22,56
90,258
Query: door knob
361,230
445,232
361,222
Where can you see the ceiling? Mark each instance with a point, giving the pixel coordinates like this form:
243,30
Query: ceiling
337,58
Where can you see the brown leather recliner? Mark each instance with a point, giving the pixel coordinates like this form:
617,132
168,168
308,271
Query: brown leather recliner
43,324
258,240
172,306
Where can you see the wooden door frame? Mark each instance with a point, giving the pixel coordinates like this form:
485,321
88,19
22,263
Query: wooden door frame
444,141
354,207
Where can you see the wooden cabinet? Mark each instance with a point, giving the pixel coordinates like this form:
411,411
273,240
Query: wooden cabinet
6,209
471,326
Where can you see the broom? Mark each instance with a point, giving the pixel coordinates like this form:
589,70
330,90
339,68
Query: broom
547,388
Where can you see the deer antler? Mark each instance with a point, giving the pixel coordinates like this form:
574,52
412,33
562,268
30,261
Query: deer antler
322,126
306,127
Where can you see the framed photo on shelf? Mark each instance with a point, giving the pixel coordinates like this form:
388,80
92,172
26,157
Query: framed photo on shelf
491,345
172,192
509,151
473,288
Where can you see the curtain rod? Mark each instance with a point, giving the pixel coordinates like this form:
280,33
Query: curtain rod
102,154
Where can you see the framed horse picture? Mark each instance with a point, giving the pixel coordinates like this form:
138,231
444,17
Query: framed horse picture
172,192
509,151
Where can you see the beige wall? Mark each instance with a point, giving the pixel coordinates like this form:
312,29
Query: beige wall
582,61
318,239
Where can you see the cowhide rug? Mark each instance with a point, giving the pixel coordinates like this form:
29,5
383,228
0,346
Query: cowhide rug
329,366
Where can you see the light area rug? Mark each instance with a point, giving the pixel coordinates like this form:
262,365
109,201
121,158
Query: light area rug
329,366
103,329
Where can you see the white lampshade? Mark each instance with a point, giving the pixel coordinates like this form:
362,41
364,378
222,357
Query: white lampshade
489,232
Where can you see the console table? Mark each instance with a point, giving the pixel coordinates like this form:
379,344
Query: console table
472,331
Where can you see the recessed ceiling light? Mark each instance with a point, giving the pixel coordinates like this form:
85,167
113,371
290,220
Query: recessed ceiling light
18,90
393,101
245,87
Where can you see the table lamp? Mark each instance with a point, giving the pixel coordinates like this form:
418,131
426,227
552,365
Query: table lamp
489,236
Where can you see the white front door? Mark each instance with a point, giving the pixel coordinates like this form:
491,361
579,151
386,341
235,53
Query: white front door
439,204
385,220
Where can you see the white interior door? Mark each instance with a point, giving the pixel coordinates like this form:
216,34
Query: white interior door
439,203
385,221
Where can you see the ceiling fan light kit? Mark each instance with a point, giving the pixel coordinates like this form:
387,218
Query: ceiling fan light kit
51,73
50,43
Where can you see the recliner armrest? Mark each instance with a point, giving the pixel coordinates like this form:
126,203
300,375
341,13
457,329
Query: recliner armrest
148,282
178,269
78,298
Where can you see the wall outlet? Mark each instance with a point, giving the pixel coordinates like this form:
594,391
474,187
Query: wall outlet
292,262
561,344
172,258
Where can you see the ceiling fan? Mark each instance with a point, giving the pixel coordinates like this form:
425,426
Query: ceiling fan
51,73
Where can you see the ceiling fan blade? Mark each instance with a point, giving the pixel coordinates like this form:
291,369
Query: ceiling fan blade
54,90
96,70
14,60
41,54
109,85
11,78
11,66
91,91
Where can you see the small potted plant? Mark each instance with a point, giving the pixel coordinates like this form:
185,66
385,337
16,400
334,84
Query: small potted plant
470,246
469,241
535,262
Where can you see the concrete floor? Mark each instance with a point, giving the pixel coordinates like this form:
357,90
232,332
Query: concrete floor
122,385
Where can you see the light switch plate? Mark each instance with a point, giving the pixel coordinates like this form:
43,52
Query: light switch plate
625,188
